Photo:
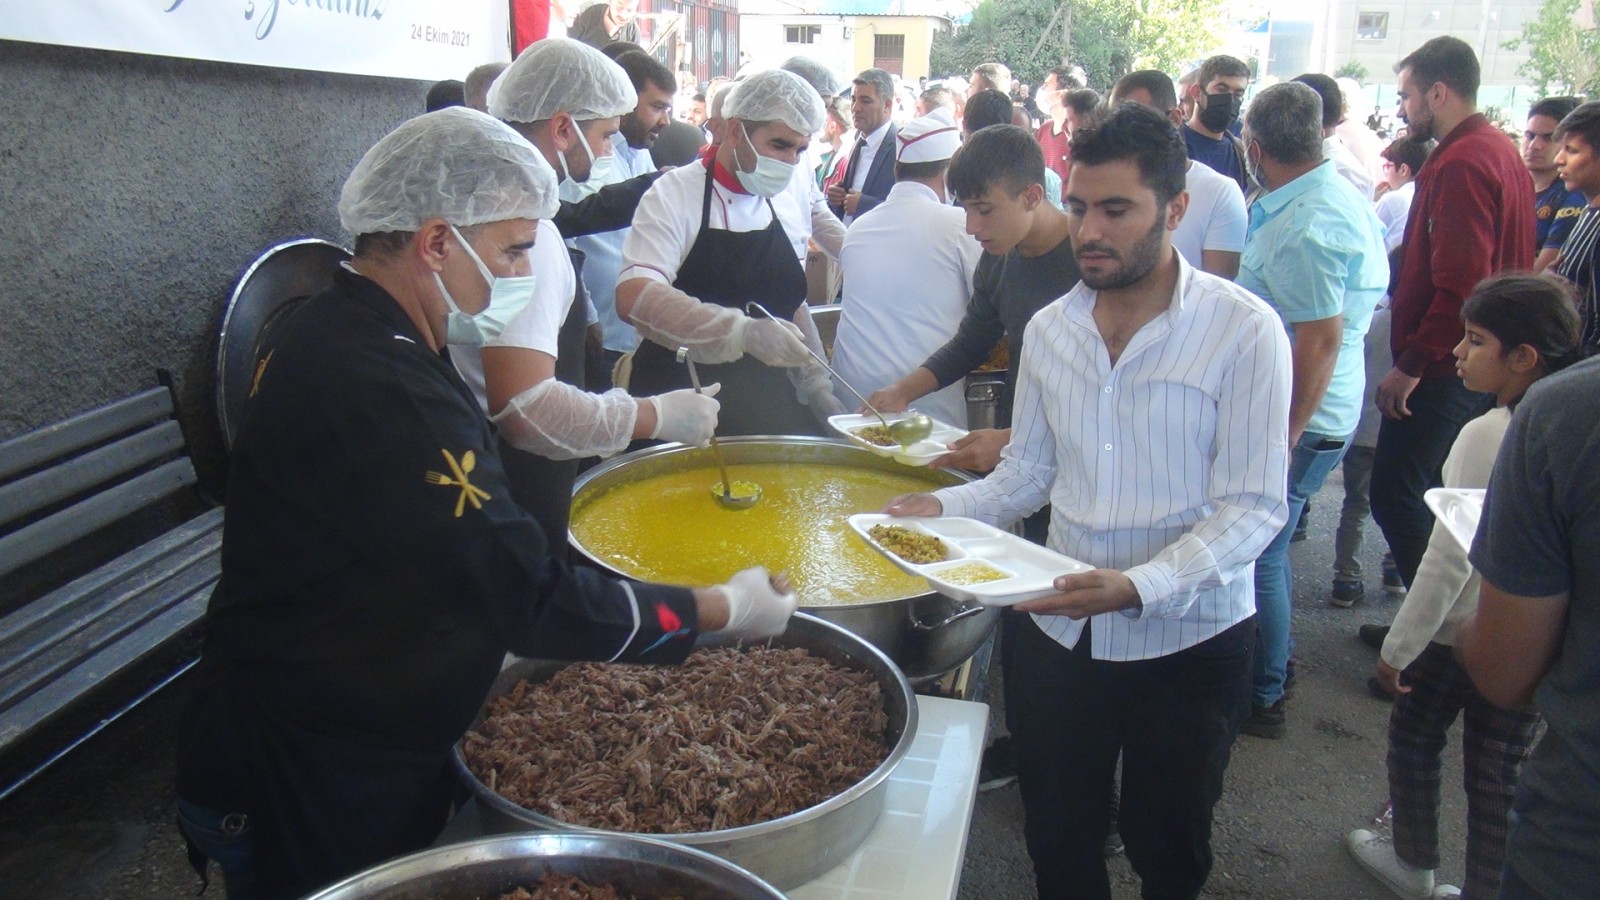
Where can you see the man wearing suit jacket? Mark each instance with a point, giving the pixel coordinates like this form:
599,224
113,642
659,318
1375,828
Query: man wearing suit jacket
869,175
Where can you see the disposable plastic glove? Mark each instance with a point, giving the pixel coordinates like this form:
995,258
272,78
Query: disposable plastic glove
558,421
775,343
755,609
685,416
673,319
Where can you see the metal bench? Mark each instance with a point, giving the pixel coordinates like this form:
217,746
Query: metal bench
59,486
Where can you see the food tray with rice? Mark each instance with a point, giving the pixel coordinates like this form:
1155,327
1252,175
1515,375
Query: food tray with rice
967,559
867,432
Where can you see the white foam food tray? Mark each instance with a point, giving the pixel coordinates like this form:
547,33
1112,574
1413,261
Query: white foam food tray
925,451
1459,509
1029,569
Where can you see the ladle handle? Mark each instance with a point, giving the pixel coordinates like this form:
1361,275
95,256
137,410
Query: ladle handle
694,379
753,306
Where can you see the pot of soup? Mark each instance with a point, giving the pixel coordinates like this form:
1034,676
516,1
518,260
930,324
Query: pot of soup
652,515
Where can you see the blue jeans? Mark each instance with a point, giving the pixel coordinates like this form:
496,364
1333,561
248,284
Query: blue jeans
1313,458
224,838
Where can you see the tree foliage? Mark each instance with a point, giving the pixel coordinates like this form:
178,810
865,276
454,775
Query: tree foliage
1563,56
1109,38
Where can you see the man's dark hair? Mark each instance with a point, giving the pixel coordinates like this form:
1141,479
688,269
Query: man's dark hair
1332,98
1066,79
1444,59
919,171
1407,152
615,49
880,81
1221,66
1286,120
642,69
1003,156
699,97
936,97
1155,83
446,94
1083,102
986,108
1136,132
1583,122
382,244
1554,107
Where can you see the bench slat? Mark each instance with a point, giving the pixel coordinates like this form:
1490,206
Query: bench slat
56,531
87,634
29,450
202,534
47,487
84,612
18,722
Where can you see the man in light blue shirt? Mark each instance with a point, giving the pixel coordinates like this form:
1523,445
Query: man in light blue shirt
1314,251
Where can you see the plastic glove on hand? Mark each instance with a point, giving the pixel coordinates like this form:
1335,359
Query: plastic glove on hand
686,416
775,343
756,609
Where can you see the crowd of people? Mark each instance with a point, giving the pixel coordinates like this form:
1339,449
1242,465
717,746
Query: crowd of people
1209,306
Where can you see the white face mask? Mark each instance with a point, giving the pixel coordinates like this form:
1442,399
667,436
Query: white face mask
1045,100
508,296
583,141
771,176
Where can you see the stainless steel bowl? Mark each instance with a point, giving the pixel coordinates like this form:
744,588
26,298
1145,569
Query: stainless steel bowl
491,866
926,635
789,851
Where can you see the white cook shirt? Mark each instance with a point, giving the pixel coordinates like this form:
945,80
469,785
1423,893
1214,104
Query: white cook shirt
602,251
908,267
538,326
1171,466
668,219
1216,218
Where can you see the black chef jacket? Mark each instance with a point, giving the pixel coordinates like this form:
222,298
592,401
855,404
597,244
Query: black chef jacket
374,572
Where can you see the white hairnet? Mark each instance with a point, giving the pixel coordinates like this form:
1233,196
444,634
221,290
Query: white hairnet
560,75
456,164
776,96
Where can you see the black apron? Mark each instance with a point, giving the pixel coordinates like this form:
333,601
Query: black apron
731,268
541,485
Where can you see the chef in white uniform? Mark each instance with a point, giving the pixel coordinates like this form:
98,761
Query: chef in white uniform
908,266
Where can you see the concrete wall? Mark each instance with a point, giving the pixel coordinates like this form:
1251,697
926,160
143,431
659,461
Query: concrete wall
133,192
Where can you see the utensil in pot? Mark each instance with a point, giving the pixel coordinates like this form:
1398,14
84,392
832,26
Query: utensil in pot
748,492
905,431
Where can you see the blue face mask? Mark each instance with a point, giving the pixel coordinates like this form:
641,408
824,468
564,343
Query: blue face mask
771,176
508,296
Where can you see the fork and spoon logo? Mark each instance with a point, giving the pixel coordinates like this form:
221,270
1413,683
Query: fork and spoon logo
470,493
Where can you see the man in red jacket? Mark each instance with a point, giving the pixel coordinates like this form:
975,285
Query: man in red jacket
1469,219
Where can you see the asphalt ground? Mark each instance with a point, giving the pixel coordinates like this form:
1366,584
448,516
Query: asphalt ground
99,824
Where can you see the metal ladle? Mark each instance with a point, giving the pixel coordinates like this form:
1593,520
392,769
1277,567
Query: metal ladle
906,431
726,496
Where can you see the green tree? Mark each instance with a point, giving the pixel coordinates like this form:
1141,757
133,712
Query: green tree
1563,56
1352,69
1109,38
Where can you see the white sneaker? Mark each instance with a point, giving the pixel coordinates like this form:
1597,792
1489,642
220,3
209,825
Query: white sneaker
1375,853
1446,892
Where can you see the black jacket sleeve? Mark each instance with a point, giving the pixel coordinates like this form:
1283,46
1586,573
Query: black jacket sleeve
607,209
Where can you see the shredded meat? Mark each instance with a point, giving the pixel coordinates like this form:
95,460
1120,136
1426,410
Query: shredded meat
552,886
729,738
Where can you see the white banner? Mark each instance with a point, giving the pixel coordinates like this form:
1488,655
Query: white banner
427,40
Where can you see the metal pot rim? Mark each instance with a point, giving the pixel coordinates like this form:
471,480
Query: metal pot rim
857,646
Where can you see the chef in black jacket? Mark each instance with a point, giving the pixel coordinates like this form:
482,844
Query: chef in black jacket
375,569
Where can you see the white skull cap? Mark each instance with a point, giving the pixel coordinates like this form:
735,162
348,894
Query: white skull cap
776,96
456,164
560,75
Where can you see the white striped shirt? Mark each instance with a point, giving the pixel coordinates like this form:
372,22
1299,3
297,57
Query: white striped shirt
1171,466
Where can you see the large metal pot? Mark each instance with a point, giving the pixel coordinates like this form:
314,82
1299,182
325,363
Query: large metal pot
926,635
789,851
492,866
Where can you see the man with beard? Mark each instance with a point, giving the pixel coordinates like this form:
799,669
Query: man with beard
1152,411
630,157
1217,93
1469,219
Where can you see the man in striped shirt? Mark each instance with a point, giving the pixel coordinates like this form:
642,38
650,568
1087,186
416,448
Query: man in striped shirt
1152,413
1579,262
